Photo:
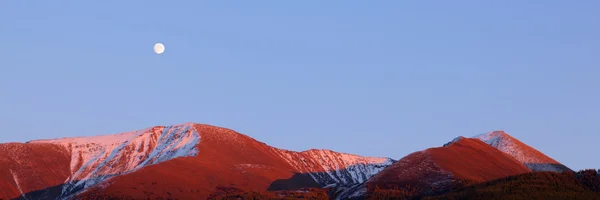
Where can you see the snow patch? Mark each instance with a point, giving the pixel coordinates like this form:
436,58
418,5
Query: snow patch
16,179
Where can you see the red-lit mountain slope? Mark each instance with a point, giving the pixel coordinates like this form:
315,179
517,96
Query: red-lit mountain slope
181,161
32,168
529,156
436,170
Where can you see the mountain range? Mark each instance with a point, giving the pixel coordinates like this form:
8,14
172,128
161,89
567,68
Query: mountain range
198,161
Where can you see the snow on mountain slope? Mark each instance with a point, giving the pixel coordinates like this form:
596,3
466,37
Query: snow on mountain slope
328,167
529,156
324,166
16,179
94,159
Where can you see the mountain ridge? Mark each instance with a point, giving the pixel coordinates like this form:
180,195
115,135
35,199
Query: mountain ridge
157,158
94,160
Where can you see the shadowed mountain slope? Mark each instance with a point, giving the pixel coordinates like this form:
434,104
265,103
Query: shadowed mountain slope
537,185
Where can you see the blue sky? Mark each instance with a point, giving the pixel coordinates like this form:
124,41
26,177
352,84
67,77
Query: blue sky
375,78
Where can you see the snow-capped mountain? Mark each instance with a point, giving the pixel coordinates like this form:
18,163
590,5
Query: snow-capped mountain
191,152
529,156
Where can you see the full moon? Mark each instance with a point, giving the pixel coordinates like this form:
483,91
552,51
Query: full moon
159,48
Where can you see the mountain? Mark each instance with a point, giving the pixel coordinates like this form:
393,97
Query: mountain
532,158
181,161
197,161
437,170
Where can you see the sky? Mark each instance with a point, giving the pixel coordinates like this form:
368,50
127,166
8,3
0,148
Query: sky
374,78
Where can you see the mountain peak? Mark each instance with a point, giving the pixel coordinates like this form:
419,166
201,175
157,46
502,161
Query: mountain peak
530,156
496,133
499,133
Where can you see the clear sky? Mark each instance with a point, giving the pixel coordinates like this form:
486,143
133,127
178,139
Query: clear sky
374,78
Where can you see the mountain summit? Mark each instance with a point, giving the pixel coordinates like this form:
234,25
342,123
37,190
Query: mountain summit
532,158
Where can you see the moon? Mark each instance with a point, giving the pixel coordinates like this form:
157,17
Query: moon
159,48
